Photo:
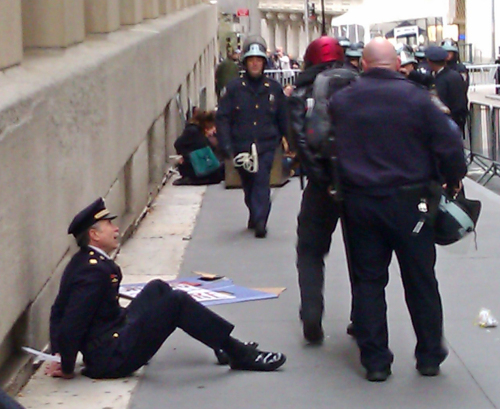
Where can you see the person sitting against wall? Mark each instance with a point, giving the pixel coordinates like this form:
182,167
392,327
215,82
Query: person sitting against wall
115,341
198,136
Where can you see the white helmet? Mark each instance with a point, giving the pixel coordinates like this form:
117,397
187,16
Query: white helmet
254,46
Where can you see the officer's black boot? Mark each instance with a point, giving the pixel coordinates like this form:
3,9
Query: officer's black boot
260,229
313,331
311,325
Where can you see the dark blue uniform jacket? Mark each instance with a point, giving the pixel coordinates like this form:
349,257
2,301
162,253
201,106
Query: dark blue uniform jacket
390,134
87,305
452,90
249,113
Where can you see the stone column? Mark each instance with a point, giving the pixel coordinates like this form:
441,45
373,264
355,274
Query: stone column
163,6
264,30
150,9
102,16
53,23
271,25
130,11
328,26
303,41
315,31
11,36
281,40
294,36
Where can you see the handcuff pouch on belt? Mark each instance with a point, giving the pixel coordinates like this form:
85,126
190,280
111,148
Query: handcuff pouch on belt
248,160
425,196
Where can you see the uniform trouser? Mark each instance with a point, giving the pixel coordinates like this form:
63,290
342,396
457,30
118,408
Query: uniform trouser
256,188
377,226
316,223
151,317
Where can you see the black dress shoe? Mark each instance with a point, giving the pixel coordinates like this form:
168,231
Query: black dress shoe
313,332
378,376
428,370
223,357
351,330
260,230
257,360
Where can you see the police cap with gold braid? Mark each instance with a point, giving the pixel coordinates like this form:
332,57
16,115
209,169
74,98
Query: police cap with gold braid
89,216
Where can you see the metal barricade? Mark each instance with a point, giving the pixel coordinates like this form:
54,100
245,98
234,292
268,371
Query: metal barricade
483,77
483,141
284,77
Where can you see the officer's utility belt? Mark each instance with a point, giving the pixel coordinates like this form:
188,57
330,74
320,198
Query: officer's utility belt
425,196
112,333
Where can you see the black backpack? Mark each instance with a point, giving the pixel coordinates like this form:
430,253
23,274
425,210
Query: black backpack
318,123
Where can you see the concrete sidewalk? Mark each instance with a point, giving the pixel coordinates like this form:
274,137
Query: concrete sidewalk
184,374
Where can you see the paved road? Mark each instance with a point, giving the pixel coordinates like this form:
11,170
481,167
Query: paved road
184,373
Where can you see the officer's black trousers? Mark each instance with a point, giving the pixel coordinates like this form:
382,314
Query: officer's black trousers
377,226
151,317
316,223
256,188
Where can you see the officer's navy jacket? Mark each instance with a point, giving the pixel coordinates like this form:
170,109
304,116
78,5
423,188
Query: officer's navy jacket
86,306
389,134
451,89
248,114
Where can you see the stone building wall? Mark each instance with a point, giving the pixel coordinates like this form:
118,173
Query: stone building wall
93,115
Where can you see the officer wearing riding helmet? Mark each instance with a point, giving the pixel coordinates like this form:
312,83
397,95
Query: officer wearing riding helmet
251,120
453,59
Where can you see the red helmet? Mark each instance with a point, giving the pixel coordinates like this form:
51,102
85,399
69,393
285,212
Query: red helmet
323,49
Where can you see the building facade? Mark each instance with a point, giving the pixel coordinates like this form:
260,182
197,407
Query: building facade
283,23
482,28
474,24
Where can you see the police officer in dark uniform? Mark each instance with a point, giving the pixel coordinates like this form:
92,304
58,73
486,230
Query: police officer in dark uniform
345,43
353,57
251,120
453,60
393,145
422,64
449,85
407,57
116,341
318,212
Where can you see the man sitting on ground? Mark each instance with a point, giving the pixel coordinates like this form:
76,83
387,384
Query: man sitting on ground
116,341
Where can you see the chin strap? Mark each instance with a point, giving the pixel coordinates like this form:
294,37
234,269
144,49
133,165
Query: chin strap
248,161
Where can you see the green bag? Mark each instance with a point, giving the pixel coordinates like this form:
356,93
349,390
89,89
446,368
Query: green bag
204,161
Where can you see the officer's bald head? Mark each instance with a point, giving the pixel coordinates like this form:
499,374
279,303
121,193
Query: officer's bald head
380,53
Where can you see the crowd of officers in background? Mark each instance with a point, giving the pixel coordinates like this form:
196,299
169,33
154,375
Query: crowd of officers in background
435,71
